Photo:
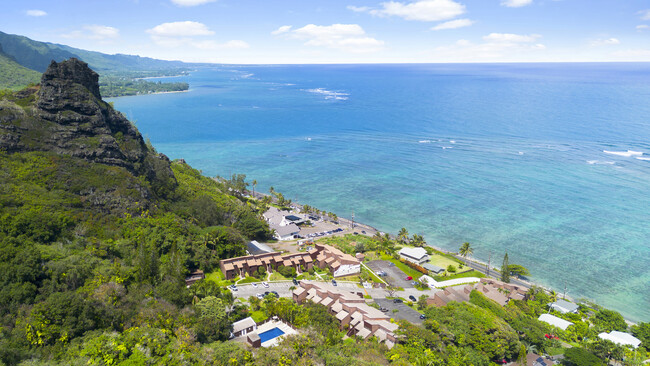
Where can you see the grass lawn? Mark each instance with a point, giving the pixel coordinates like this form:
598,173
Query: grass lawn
344,242
556,351
249,280
219,278
258,316
276,276
471,273
442,261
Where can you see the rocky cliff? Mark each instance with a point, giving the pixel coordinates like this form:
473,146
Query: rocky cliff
66,115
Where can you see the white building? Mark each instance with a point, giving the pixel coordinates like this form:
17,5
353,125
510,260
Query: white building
243,327
564,307
555,321
620,338
414,255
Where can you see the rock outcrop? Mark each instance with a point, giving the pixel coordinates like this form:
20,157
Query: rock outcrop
66,115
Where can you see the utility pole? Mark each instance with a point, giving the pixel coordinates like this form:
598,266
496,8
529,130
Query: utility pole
488,265
564,295
352,223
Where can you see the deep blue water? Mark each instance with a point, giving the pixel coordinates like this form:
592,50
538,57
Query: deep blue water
508,157
270,334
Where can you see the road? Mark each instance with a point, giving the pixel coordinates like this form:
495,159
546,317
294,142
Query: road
493,274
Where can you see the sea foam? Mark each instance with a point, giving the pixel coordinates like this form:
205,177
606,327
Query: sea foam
329,94
626,154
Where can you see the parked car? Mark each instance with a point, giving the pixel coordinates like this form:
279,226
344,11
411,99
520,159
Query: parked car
234,288
391,264
383,309
295,282
266,293
334,282
409,278
260,296
254,285
265,284
275,293
422,316
363,231
398,301
412,298
414,283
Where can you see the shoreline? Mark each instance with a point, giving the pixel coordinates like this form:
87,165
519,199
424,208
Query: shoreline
161,77
140,95
529,282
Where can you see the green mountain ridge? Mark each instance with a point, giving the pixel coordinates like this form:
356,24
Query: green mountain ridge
37,56
13,75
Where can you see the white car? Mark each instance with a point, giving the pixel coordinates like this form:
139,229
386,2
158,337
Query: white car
265,284
260,296
254,284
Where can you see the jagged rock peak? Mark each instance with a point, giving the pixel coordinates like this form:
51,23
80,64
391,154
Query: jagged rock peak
71,71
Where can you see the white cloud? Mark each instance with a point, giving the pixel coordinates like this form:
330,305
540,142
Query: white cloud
516,3
510,38
496,46
605,42
180,29
36,13
282,29
454,24
359,9
642,27
346,37
191,2
423,10
214,45
645,14
96,32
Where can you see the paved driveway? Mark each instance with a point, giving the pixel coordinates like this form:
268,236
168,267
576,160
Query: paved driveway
394,275
404,312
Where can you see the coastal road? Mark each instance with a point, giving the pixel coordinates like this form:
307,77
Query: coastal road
493,274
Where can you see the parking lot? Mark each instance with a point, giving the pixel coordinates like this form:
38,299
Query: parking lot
404,311
394,275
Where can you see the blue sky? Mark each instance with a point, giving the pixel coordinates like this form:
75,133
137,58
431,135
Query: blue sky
350,31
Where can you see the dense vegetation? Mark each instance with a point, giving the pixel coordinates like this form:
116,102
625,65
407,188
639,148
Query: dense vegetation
94,254
112,86
14,76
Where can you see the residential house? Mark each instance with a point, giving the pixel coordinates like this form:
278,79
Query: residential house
620,338
564,307
555,321
414,255
243,327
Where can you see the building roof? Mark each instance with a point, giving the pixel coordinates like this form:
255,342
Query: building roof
621,338
555,321
564,306
415,253
290,229
430,267
258,248
243,324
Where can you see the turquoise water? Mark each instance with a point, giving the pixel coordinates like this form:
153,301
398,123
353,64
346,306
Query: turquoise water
508,157
270,334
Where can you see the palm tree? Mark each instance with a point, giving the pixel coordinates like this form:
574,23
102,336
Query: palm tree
403,235
254,183
465,251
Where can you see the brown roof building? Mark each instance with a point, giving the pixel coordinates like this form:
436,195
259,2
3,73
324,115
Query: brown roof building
324,256
350,309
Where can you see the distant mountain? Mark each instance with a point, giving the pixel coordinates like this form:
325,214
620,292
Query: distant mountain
37,56
13,75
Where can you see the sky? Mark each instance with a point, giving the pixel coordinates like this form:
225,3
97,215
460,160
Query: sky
342,31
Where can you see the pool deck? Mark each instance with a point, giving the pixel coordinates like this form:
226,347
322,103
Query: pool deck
275,324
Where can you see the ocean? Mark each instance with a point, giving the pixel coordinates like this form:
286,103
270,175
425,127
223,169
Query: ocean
549,162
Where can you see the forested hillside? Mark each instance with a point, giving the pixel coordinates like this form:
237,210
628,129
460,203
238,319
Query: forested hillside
97,230
13,75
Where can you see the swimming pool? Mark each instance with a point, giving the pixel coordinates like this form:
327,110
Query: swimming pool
270,334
